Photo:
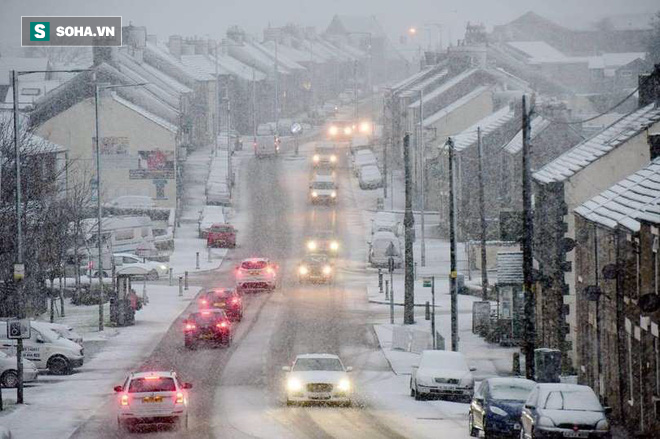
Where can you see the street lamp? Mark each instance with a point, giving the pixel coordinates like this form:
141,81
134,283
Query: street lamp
99,215
19,227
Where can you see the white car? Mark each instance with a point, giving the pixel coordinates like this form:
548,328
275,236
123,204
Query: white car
318,378
5,433
9,375
256,274
65,331
370,177
363,157
323,190
442,373
385,222
155,269
152,397
217,194
380,244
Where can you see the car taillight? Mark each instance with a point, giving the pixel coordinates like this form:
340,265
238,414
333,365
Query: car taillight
222,325
270,270
124,400
236,301
190,327
179,398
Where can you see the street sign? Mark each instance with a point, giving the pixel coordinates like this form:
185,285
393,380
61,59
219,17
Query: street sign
19,271
18,329
296,128
427,282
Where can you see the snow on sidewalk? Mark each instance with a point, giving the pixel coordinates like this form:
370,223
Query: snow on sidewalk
60,404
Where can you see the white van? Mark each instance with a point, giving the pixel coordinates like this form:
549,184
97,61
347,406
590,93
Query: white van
46,349
124,234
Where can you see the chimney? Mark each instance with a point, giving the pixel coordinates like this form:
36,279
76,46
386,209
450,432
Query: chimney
153,39
104,54
174,44
654,144
649,87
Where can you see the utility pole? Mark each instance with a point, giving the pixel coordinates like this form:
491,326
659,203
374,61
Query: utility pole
19,236
99,215
453,287
355,89
409,225
217,98
482,215
254,105
422,186
528,288
277,91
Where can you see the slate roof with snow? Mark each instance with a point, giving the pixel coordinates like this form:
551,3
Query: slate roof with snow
590,150
22,64
510,267
635,198
538,125
488,124
156,119
404,83
454,105
538,51
445,86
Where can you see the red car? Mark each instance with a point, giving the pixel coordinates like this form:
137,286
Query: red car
208,325
226,299
221,235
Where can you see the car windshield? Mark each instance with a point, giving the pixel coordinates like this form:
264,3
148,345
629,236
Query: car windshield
316,260
579,400
155,384
309,364
222,229
220,294
511,391
254,265
323,185
205,317
451,362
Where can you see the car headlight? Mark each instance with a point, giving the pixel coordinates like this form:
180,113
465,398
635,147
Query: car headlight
303,270
311,245
316,158
327,270
163,267
315,194
334,246
333,158
294,385
333,194
498,411
544,421
333,130
603,425
365,127
344,385
348,130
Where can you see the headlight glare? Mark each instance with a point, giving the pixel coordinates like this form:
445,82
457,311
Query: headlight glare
293,385
498,411
344,385
303,270
327,270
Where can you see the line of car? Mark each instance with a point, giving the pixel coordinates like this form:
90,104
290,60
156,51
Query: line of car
511,406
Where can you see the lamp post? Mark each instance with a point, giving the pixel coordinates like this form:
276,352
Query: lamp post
19,214
99,212
368,75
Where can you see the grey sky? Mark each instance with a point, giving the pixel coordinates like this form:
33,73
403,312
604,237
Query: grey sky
211,17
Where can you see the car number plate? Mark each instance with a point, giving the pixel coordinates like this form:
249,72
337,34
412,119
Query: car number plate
576,434
320,396
219,304
152,399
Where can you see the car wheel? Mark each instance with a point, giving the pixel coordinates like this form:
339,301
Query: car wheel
471,429
9,379
152,275
59,366
418,396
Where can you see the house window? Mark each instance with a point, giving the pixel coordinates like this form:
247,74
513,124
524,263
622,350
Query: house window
30,91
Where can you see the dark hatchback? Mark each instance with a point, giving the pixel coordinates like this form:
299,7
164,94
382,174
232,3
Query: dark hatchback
496,406
207,326
227,299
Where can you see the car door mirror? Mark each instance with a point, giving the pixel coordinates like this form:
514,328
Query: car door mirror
530,406
473,368
479,400
349,369
187,386
119,389
40,339
286,368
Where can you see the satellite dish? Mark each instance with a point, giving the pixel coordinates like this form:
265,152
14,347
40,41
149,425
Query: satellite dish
649,303
296,128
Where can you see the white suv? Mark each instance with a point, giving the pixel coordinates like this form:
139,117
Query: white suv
256,274
152,397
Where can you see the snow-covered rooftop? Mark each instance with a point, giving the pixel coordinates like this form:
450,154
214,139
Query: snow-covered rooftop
634,198
510,267
614,60
22,64
454,105
538,125
158,120
590,150
445,86
404,83
488,124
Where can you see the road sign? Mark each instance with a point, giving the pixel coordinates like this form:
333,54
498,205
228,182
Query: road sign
296,128
19,271
18,329
427,282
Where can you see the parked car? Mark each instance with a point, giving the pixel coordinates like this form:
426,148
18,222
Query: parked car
46,348
370,177
217,194
363,157
156,397
65,331
128,263
9,374
266,146
221,235
442,374
207,217
496,406
385,222
563,410
378,247
318,378
5,433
